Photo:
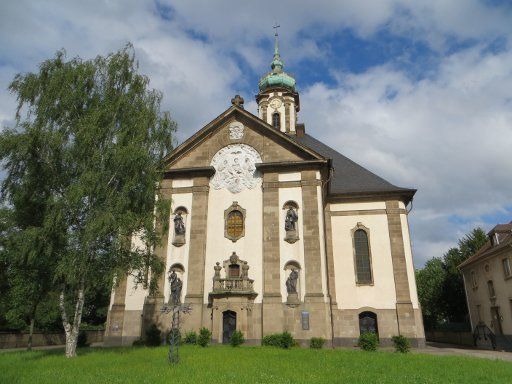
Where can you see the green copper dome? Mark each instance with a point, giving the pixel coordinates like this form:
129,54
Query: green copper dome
277,77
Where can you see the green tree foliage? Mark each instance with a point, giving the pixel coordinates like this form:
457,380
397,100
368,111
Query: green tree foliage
430,281
440,284
100,140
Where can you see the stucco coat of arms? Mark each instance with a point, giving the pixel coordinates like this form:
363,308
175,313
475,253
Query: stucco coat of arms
235,168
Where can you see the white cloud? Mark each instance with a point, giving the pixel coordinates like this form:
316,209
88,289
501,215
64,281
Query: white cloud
449,136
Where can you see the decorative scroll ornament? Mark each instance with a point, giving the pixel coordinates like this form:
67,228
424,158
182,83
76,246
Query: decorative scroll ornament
235,168
236,130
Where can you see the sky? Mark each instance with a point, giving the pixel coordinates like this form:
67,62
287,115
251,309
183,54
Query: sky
419,92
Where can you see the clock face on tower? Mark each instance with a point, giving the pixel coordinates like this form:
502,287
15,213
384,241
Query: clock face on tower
276,103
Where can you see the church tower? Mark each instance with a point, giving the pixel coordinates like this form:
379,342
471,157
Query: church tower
278,99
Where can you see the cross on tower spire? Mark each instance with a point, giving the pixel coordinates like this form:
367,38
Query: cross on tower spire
276,44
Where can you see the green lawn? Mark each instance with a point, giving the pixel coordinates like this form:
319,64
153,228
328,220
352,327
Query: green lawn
224,364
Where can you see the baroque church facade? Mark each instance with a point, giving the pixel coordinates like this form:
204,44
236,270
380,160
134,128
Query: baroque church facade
271,230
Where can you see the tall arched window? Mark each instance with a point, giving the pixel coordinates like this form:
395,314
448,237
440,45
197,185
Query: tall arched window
276,120
362,257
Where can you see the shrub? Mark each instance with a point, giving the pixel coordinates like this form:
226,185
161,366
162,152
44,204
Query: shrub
177,335
153,335
281,340
368,341
317,342
204,337
190,337
401,343
82,339
237,338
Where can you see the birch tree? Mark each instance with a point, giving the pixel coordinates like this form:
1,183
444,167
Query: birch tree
105,136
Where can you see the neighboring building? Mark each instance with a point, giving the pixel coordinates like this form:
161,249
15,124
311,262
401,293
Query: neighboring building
488,283
272,230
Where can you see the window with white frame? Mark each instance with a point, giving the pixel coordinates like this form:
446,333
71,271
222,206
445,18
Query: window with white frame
506,267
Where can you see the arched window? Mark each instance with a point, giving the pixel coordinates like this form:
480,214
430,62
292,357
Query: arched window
235,224
362,257
368,323
276,120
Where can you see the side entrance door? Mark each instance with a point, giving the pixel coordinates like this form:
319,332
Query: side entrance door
228,325
496,320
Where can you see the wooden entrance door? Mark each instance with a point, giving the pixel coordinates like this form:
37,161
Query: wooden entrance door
228,325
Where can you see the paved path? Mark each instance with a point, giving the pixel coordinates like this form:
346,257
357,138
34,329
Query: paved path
449,349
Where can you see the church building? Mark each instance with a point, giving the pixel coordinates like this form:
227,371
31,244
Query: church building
272,230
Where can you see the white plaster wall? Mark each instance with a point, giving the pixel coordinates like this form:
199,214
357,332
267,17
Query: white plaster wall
295,251
179,254
358,206
293,117
182,183
409,261
134,299
350,296
289,176
248,248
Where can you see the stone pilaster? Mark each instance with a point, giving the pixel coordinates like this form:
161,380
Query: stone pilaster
154,302
311,236
272,301
264,107
197,252
115,320
287,107
404,309
331,275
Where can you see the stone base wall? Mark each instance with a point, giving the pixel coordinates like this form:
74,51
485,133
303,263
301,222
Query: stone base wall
20,340
256,320
458,338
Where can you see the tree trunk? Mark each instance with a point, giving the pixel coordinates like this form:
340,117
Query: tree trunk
30,334
72,329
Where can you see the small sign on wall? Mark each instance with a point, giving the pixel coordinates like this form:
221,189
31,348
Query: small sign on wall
305,320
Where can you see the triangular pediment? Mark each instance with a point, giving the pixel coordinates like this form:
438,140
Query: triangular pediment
237,126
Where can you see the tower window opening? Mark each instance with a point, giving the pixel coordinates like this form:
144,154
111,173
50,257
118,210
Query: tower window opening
276,120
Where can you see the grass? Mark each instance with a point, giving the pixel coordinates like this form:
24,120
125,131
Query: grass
224,364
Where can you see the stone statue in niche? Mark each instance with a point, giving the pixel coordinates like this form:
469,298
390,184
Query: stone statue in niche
179,230
291,282
291,219
291,287
176,286
179,225
290,225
